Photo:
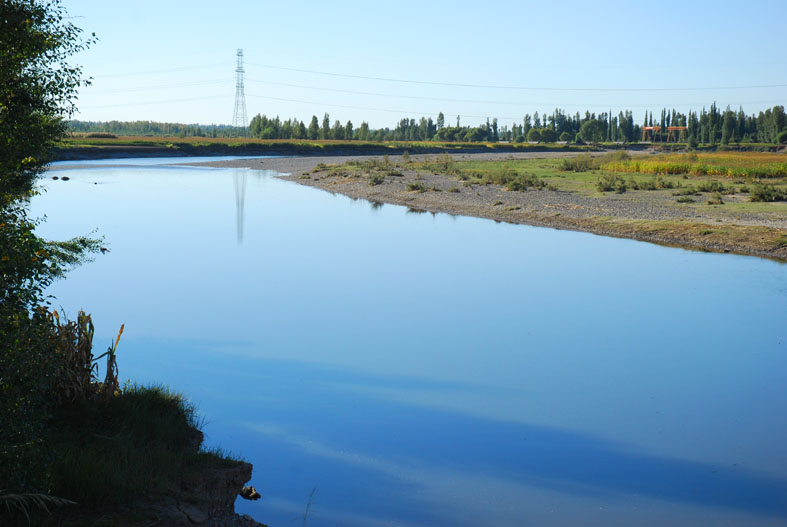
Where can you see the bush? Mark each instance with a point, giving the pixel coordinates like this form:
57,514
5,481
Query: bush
565,136
416,187
609,182
767,193
781,137
711,186
716,199
376,179
521,182
548,135
534,135
581,163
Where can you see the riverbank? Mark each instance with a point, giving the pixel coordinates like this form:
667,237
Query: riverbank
72,149
645,215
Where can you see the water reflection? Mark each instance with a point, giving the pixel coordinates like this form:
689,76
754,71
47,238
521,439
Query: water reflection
239,179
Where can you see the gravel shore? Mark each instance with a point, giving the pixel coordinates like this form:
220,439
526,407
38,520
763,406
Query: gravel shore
643,215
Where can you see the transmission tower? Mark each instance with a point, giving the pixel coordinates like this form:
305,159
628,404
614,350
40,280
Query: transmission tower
239,115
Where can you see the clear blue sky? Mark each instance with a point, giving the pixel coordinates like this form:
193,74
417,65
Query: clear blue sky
175,61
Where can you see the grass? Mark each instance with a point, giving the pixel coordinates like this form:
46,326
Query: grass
144,440
763,165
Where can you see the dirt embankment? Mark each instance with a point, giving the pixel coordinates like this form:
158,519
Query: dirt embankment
645,216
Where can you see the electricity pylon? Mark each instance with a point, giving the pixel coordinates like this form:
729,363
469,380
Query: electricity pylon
239,115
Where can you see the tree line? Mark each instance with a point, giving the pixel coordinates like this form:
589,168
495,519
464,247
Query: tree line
709,126
153,128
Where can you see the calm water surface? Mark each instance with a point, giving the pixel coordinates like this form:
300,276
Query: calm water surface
420,369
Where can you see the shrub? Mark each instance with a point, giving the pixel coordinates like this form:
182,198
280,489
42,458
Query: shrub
711,186
715,199
781,137
581,163
766,193
609,182
534,135
416,187
376,179
565,136
685,199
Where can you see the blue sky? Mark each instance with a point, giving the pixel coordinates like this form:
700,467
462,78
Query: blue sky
175,61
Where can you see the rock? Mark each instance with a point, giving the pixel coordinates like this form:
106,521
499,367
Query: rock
249,493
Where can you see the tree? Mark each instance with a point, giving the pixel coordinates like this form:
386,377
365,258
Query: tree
348,130
363,131
440,120
548,135
314,128
565,136
534,135
325,131
338,131
37,86
592,131
37,90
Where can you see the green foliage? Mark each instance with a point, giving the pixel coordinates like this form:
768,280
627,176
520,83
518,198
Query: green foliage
765,193
711,186
140,441
581,163
37,87
610,182
534,135
565,136
585,162
715,199
416,187
781,137
376,179
548,135
521,182
593,131
685,199
655,183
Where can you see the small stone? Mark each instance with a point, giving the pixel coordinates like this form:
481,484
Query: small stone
249,493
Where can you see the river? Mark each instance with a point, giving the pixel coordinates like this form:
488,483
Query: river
381,366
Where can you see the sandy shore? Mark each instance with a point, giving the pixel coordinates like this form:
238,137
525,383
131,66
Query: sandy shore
641,215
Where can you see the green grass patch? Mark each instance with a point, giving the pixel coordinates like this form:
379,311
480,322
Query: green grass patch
144,440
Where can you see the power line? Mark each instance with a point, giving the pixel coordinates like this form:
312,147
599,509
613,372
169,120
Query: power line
503,87
168,70
169,101
477,101
165,86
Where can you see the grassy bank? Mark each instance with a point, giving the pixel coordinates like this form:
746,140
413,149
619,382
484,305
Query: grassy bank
76,450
